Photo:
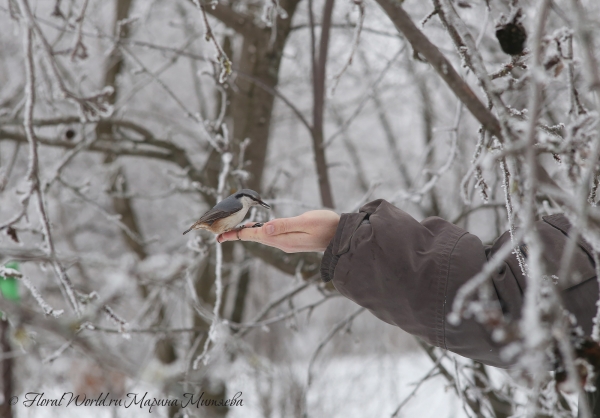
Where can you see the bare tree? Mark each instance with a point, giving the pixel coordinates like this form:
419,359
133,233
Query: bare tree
121,121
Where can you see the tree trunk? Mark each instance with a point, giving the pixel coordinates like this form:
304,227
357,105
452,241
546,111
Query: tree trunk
251,105
118,182
250,115
164,349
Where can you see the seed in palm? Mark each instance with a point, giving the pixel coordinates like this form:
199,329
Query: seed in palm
512,37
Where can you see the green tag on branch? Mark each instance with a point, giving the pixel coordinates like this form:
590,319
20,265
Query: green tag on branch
9,286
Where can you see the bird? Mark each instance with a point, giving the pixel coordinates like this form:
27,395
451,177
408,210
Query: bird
229,212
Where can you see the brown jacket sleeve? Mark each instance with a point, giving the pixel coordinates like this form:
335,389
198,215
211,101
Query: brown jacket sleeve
407,274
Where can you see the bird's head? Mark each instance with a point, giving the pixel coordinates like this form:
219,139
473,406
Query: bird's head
251,197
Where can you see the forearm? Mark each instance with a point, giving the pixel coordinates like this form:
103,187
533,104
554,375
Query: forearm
408,273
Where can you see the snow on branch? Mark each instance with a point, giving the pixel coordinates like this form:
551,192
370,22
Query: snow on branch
212,333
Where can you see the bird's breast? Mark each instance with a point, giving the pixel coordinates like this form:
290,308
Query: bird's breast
226,224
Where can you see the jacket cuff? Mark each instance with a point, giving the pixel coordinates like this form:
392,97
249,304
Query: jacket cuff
328,263
340,243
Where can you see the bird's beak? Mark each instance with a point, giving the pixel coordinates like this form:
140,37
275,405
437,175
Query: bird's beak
264,205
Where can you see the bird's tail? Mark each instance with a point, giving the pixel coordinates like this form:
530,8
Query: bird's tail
187,231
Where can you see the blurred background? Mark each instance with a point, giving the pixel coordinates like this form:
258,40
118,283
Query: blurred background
137,108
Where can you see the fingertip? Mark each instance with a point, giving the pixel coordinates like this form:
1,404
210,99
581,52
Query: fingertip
221,238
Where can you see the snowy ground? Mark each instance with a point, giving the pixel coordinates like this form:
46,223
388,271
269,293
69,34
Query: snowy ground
346,387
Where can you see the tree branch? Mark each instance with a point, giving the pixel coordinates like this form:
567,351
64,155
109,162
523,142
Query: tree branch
33,169
319,79
242,24
442,66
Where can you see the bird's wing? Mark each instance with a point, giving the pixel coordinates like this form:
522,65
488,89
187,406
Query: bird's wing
215,214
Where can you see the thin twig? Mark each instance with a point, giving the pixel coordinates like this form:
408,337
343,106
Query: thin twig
79,50
225,166
434,371
339,326
355,41
33,170
209,36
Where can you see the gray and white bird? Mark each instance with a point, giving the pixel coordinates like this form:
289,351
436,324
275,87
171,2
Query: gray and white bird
229,212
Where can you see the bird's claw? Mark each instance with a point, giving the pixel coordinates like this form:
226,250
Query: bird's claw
256,225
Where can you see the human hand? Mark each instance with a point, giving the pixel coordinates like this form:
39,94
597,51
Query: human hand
311,231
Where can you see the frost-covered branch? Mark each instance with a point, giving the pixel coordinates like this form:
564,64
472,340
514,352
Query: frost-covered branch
212,332
222,57
443,67
343,324
33,170
91,107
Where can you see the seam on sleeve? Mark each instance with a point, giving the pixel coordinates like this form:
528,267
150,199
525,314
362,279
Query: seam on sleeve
560,222
444,276
326,263
332,266
340,243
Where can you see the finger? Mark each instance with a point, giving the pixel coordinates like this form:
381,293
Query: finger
252,234
230,236
280,226
226,236
245,234
233,234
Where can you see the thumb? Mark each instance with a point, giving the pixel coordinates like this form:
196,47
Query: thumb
277,226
